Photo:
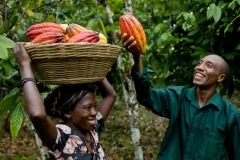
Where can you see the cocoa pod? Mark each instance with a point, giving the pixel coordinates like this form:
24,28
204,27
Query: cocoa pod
85,36
44,25
102,39
34,33
130,25
35,29
74,29
49,37
66,37
64,26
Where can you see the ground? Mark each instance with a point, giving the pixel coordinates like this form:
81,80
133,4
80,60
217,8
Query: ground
115,139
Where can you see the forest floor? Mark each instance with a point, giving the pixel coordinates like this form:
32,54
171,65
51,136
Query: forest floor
115,139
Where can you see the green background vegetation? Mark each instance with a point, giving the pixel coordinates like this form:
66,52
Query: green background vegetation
179,33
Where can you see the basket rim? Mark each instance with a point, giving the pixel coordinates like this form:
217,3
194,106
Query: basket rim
70,44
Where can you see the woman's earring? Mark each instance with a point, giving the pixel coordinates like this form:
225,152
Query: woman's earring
68,116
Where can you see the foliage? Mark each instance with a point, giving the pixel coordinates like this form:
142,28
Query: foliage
16,120
9,101
179,33
189,30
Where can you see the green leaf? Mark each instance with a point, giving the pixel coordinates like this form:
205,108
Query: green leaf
103,27
238,47
166,68
238,1
190,18
197,53
223,5
16,120
8,101
203,54
230,4
6,41
165,36
28,12
160,28
52,86
7,67
229,56
111,28
217,14
180,15
50,18
193,32
226,29
211,10
3,52
39,2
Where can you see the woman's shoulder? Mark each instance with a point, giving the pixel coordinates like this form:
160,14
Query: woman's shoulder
64,128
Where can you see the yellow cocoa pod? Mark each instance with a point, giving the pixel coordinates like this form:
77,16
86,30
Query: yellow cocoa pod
102,39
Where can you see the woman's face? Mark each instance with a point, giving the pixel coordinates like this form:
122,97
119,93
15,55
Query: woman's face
83,115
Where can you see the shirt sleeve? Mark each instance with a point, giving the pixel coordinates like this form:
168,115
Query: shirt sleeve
100,124
233,142
160,101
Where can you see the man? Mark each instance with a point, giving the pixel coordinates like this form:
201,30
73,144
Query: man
202,124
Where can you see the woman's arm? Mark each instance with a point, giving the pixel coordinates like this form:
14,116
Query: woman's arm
34,106
108,95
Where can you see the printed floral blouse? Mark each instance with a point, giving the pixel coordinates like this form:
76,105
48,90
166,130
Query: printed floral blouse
70,145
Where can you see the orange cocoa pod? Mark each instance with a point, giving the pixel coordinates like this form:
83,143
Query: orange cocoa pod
34,33
74,29
66,37
85,36
130,25
49,37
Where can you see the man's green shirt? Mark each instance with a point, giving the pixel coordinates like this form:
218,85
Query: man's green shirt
208,133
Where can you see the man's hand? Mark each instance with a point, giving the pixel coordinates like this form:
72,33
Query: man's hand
127,43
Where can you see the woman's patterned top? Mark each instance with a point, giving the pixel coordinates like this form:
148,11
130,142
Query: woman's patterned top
70,145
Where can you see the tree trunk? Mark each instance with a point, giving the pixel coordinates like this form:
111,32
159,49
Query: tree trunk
44,155
128,90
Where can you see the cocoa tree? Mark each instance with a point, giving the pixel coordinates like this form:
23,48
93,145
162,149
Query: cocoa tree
178,34
128,87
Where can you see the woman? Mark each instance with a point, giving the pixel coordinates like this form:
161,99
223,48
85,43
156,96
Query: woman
78,136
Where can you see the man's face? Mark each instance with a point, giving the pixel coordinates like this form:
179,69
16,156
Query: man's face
208,71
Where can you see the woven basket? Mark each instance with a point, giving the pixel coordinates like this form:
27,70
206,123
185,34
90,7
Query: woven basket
71,63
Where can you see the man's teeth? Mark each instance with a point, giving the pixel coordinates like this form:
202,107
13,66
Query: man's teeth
199,75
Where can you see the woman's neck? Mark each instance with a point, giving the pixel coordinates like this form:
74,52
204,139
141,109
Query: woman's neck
83,133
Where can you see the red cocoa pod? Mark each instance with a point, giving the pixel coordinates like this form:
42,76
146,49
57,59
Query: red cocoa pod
40,28
50,37
85,36
130,25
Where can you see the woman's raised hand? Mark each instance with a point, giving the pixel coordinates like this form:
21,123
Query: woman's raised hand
20,54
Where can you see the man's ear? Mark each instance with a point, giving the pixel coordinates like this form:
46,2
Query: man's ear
221,77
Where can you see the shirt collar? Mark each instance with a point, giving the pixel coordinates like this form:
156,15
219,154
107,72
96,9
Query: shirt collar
215,100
